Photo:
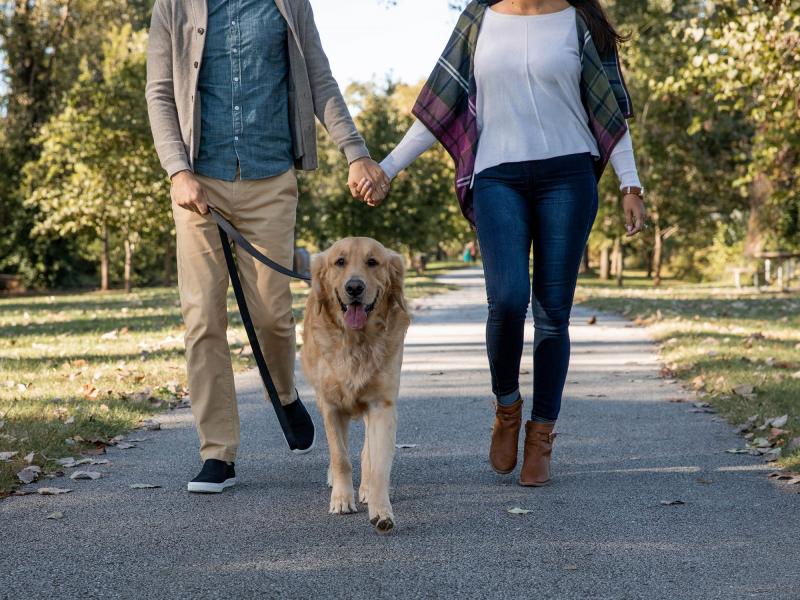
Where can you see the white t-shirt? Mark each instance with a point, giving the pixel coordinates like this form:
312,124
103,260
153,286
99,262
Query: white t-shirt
528,74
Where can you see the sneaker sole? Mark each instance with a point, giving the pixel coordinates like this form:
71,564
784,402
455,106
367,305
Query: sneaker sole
307,450
203,487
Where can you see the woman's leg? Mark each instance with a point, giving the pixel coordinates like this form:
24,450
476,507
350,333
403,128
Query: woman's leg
563,213
502,213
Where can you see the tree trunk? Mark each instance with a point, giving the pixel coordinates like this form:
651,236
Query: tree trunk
759,193
169,262
584,268
128,263
658,250
104,261
604,263
619,260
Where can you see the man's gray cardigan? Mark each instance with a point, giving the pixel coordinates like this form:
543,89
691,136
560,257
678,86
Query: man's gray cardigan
177,36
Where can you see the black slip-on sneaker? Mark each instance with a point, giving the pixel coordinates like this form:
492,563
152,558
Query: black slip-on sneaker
214,477
305,434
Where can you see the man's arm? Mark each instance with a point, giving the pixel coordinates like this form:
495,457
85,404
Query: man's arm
332,111
160,92
160,95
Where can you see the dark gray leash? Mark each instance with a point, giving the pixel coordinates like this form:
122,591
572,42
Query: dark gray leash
228,232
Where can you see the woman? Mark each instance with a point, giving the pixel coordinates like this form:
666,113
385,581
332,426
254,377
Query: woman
529,100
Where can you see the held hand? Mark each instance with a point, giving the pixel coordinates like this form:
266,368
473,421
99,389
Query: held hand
635,214
368,182
188,193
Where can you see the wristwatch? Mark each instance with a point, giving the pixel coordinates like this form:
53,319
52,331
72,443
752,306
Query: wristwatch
632,189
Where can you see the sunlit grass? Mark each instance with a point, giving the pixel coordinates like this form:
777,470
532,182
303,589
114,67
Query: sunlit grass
94,365
724,339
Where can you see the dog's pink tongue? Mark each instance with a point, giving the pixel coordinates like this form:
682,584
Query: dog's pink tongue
355,317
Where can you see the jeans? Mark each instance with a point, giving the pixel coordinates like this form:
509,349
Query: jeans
550,205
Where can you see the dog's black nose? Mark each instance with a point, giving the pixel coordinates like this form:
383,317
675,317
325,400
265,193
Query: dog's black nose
354,288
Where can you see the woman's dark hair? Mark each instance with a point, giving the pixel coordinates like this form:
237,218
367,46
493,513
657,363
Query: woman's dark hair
605,36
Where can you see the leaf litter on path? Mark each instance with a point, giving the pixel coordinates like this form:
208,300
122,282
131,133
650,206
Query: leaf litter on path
144,486
55,516
519,511
91,475
29,474
406,446
53,491
672,502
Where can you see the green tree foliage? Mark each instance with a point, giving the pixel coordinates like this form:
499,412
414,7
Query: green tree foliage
97,177
421,213
42,46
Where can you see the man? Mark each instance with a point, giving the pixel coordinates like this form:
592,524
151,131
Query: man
233,87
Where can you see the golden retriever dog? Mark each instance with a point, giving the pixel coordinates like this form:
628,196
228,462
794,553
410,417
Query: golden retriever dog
355,326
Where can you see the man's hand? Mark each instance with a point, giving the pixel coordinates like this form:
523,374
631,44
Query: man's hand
188,193
635,213
365,174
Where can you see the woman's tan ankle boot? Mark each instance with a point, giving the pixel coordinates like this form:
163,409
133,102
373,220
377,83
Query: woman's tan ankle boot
505,437
538,448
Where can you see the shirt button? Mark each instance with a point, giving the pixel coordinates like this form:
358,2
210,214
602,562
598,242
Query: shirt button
201,31
196,64
233,22
235,108
235,50
236,138
236,79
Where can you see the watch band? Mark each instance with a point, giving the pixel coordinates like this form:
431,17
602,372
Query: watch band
632,189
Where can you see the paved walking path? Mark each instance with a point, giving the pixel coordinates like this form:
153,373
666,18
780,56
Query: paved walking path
599,532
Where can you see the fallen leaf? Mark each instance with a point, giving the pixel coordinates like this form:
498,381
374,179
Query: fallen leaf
144,486
111,335
779,421
67,462
53,491
748,425
29,474
29,458
55,516
6,456
519,511
85,475
592,320
744,390
672,502
406,446
125,446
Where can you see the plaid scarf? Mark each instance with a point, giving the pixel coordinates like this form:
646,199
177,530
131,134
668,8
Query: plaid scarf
447,103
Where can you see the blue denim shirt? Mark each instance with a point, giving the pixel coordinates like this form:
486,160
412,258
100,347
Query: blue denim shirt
243,88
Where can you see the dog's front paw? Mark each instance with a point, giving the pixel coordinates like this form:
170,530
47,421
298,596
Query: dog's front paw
342,503
382,518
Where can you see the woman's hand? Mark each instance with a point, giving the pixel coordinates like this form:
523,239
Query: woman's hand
635,213
373,197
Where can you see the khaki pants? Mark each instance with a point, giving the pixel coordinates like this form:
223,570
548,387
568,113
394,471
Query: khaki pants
264,211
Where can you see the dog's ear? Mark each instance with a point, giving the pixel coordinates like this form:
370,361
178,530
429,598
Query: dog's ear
397,275
318,274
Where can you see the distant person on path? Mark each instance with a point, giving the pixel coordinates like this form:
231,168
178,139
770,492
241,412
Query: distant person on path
233,88
538,83
469,252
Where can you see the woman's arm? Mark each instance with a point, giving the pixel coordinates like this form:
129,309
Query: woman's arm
624,162
417,140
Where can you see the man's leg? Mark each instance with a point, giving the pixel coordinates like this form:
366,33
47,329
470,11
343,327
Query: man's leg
264,211
203,284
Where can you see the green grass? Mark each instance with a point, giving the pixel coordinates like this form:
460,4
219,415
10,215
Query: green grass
717,339
68,385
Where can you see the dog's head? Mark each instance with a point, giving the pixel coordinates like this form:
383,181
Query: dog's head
356,278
